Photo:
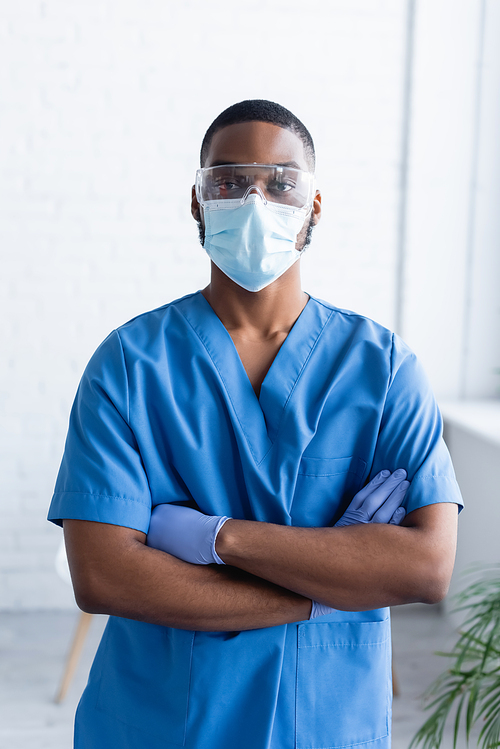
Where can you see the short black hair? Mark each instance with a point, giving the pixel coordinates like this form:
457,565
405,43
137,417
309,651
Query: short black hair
260,110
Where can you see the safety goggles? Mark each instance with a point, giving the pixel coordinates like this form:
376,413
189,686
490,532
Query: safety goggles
277,184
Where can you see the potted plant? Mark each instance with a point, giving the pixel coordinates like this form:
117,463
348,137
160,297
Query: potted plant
470,687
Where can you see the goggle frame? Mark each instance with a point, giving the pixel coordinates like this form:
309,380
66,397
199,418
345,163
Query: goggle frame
205,195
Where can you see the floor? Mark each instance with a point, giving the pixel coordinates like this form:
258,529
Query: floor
33,648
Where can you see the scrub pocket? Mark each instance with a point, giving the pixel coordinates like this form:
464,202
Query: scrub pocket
324,488
145,677
343,689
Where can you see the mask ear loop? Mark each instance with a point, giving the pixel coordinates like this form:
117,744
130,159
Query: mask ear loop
259,192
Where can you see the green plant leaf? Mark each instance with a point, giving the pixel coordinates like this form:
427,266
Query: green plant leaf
490,733
471,706
457,720
473,677
491,712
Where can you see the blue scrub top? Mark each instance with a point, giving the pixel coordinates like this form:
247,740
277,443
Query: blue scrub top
166,413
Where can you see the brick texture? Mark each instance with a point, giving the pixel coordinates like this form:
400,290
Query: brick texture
103,105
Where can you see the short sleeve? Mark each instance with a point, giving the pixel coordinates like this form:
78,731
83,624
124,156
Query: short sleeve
102,477
411,434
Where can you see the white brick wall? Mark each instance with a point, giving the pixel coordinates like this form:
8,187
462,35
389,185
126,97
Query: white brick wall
103,106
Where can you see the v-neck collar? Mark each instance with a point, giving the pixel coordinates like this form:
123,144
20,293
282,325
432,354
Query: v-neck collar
259,418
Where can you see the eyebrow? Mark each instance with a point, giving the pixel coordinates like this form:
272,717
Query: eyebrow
292,164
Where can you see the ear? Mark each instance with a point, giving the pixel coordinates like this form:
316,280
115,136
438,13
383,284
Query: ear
195,206
317,207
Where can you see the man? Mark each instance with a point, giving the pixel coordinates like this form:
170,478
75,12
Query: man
236,425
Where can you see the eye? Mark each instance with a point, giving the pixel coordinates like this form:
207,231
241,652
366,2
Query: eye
225,185
281,186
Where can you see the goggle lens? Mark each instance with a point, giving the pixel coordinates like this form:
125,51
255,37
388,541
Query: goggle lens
278,184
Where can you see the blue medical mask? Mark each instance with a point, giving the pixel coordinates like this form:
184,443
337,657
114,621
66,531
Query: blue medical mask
252,242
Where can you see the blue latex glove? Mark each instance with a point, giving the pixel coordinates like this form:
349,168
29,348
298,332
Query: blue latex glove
185,533
379,502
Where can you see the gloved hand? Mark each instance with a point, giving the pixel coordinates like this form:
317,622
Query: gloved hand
185,533
378,502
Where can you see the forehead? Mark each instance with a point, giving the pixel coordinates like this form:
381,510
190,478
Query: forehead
256,143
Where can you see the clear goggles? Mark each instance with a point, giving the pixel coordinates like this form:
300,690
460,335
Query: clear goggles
276,184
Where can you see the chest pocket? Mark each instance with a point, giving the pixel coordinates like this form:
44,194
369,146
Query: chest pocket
343,693
324,488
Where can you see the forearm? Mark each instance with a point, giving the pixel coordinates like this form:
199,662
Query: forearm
360,567
173,593
137,582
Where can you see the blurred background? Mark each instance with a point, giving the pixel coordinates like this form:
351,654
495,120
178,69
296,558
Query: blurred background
103,106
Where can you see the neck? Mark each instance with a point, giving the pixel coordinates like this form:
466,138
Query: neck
260,314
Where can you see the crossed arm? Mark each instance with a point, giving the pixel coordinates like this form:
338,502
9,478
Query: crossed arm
273,571
356,568
114,572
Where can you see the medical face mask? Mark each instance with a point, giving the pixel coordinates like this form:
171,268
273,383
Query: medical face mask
252,242
253,214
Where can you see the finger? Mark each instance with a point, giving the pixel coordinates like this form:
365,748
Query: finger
362,495
395,500
391,504
381,493
398,516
